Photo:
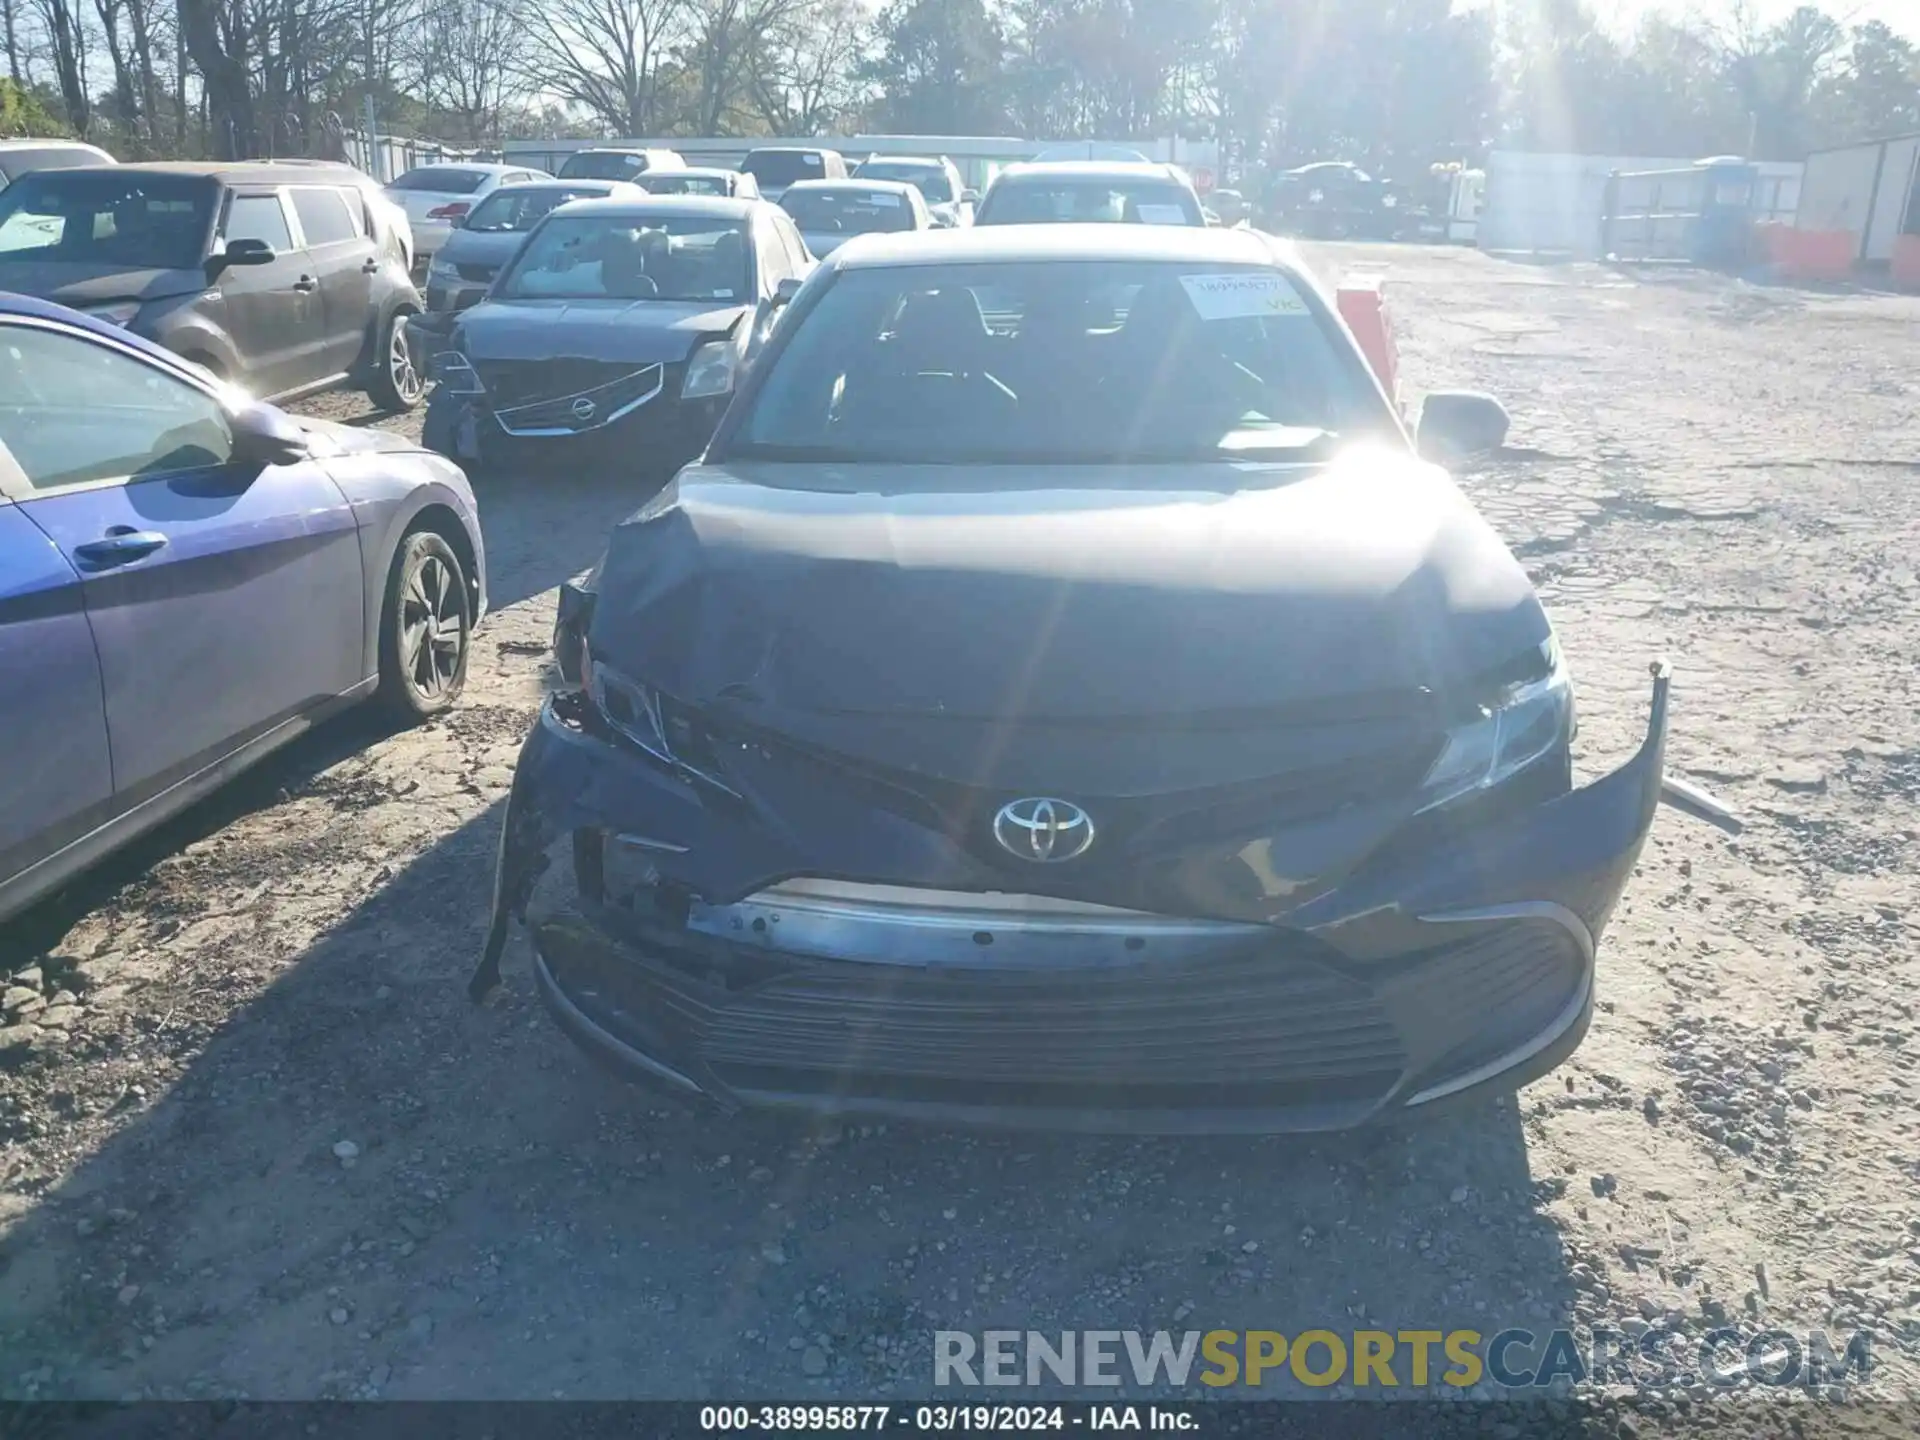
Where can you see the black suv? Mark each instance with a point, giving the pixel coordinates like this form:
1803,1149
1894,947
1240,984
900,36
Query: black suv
271,276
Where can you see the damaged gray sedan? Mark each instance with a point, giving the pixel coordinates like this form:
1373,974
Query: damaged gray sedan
1063,696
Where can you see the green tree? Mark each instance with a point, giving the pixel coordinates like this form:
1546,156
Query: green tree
938,69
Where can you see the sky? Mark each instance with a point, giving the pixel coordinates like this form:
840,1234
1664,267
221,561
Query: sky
1902,15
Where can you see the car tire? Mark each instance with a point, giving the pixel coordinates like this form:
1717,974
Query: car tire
426,630
396,384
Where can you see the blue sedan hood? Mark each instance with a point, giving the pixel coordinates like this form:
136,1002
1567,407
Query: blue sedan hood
642,331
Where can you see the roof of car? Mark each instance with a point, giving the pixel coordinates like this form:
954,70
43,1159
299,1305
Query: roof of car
702,172
571,182
492,167
27,308
938,164
718,207
50,142
995,244
1088,170
238,172
852,184
793,150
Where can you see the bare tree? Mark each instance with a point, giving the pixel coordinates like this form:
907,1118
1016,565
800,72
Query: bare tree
606,55
806,76
69,44
474,57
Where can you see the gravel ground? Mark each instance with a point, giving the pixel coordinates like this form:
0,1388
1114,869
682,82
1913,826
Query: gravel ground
257,1143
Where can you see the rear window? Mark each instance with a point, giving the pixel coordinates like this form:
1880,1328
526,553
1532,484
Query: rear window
847,212
930,180
1062,362
1048,202
784,167
442,180
105,216
602,165
680,183
515,210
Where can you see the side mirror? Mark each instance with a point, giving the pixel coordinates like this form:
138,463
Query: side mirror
1458,423
263,435
241,252
784,292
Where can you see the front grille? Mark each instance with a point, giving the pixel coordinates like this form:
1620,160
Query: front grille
1137,825
585,410
524,382
482,273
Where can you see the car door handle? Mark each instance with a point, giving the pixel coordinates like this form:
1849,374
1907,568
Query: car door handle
371,267
306,284
120,545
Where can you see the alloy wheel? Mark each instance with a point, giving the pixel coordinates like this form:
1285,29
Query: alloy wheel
407,383
432,628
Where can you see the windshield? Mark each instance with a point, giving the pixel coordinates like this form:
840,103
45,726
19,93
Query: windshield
107,217
1060,362
622,257
847,212
1044,202
930,179
783,167
442,180
514,210
602,165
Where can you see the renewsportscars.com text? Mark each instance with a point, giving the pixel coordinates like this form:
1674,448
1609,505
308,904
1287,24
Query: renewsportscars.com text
1405,1359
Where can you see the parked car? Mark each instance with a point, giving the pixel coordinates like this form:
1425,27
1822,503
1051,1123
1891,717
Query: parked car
616,334
1089,191
1090,150
702,180
19,157
774,167
948,199
192,580
1335,200
1061,696
618,164
828,213
390,223
270,276
486,239
434,196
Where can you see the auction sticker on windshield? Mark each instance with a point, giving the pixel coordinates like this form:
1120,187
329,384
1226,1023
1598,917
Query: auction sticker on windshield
1235,297
1162,215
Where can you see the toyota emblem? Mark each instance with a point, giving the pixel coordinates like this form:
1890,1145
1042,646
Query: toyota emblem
1043,829
583,409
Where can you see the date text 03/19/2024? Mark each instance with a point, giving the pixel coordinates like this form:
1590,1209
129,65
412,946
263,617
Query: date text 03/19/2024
818,1419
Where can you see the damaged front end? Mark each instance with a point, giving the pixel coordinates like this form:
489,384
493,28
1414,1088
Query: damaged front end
736,916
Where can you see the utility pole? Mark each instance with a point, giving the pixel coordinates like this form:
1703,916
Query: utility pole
374,166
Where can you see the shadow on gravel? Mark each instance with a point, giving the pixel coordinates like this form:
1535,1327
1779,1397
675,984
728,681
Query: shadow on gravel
545,528
365,1186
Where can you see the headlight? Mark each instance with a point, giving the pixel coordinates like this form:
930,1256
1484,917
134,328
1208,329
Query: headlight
453,370
710,371
118,312
627,705
1524,722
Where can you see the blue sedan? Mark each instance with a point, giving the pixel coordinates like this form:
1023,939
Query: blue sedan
189,579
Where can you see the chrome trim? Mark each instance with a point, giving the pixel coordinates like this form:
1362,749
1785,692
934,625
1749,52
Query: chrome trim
548,431
646,842
904,925
1568,1017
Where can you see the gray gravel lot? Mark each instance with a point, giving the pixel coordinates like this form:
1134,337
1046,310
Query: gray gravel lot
1716,471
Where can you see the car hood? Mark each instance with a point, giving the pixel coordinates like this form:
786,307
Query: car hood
638,330
67,282
482,247
987,627
330,438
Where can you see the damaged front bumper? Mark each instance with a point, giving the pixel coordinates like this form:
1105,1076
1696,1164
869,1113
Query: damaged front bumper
682,941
